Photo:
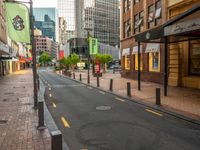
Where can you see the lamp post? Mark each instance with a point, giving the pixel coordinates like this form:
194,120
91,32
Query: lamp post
88,55
34,56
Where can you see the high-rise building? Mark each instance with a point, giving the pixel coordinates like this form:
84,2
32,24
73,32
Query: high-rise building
46,20
102,17
66,9
62,31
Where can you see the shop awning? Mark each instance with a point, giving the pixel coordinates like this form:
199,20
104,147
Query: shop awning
135,49
126,52
152,48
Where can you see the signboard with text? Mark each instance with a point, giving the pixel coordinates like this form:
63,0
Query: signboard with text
93,46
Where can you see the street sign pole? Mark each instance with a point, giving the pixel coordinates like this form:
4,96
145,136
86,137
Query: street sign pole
88,57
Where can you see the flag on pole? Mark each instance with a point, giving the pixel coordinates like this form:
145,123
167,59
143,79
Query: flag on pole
18,23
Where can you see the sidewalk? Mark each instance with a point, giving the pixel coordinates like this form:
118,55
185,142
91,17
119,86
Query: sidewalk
18,120
181,100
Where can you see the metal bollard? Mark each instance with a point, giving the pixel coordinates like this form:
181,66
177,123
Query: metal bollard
98,84
74,77
88,79
129,89
41,115
80,77
111,84
38,83
158,96
56,140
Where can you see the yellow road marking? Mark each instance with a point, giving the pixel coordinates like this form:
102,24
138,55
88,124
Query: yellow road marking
54,105
119,99
102,92
153,112
65,123
50,95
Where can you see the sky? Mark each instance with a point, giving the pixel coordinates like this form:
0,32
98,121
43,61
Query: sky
44,3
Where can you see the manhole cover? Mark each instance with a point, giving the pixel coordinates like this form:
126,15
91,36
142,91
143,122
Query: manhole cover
103,108
2,122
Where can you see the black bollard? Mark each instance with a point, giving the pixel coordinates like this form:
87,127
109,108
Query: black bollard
38,82
158,96
80,77
111,84
56,140
129,89
41,115
74,76
88,79
98,84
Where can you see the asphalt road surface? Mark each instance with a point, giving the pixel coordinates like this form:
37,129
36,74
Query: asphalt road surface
90,119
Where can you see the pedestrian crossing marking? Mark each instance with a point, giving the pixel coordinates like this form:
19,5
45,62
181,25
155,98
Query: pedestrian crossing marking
50,95
119,99
153,112
89,87
65,123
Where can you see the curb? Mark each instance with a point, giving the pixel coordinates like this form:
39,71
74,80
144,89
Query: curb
155,107
49,121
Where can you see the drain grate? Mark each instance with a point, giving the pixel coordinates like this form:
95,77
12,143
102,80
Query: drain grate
103,108
2,122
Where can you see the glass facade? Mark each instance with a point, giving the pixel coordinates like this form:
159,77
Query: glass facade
102,17
46,20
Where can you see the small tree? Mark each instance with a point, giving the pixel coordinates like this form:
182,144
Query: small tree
65,63
103,59
74,60
45,58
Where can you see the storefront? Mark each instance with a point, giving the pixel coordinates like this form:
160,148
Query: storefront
178,58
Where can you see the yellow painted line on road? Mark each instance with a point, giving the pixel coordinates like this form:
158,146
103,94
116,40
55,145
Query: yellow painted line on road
65,123
102,92
54,105
153,112
50,95
119,99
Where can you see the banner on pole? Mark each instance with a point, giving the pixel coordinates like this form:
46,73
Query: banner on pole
18,22
93,46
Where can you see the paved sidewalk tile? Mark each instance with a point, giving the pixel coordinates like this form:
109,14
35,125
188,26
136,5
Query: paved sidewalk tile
18,119
183,100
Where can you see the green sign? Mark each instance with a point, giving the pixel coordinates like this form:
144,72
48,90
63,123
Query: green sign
93,43
18,22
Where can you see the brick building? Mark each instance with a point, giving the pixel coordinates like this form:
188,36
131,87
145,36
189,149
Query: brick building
143,16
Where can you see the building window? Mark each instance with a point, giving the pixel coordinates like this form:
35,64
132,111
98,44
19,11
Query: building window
127,63
136,1
141,21
127,29
154,62
158,13
136,61
136,24
125,6
194,59
151,16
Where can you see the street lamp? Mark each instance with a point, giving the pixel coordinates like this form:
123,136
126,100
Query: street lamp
88,35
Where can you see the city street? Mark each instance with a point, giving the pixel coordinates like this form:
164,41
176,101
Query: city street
90,119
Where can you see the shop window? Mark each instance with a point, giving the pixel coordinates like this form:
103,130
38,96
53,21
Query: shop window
127,62
194,67
136,62
151,16
154,62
